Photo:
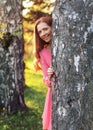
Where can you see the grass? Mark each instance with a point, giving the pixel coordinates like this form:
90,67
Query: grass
34,93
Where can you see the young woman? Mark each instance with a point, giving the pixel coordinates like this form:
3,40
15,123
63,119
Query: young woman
43,35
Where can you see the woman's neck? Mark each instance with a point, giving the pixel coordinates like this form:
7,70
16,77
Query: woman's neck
48,46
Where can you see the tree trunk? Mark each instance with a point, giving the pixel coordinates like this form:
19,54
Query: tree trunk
73,64
11,57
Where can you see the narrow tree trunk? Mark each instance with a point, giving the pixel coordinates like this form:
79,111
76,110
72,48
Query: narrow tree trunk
73,64
11,58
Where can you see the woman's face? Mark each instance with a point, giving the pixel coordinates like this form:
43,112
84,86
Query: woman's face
44,31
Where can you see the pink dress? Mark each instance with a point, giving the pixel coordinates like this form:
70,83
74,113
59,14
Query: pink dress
45,60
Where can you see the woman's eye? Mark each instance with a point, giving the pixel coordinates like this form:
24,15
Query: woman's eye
39,32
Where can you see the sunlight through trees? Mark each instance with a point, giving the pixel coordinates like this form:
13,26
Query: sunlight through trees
32,9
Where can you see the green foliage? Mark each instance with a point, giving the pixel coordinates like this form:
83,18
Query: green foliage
30,13
35,92
21,121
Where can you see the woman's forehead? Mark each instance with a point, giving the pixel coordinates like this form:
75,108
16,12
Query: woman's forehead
42,25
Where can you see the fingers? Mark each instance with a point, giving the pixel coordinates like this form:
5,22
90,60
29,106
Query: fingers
50,72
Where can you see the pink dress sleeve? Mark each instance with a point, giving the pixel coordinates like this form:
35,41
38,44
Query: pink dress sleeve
45,60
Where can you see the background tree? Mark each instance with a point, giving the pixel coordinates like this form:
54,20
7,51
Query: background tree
11,57
73,64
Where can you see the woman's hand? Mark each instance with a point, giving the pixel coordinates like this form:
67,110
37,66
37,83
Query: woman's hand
50,72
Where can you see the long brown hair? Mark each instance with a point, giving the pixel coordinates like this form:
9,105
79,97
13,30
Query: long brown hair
39,43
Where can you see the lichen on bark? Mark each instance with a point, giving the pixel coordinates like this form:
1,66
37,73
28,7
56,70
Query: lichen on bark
72,61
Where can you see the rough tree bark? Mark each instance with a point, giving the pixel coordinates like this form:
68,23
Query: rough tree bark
11,57
73,64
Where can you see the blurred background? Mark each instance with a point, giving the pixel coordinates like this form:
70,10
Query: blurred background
32,10
35,90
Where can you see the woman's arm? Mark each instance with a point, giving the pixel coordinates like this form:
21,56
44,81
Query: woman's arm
45,67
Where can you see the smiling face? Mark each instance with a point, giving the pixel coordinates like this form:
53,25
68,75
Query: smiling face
44,31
